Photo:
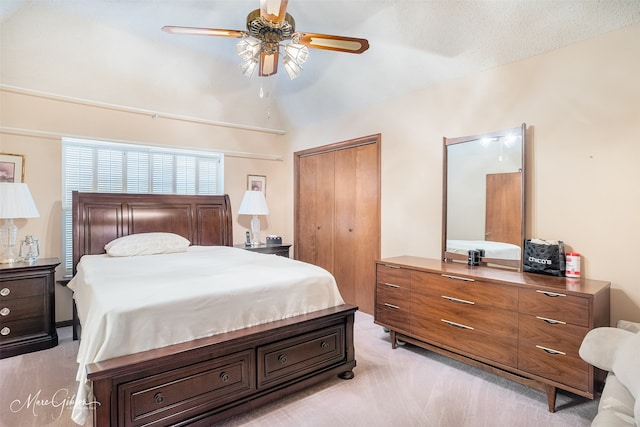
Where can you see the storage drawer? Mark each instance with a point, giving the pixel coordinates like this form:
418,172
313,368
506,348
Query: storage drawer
555,305
499,296
552,363
21,329
392,305
393,276
24,287
175,395
301,355
552,333
21,308
480,317
463,338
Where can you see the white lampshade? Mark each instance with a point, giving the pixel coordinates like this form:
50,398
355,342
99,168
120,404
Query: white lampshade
16,201
253,203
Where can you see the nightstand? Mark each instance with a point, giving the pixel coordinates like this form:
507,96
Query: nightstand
27,307
281,250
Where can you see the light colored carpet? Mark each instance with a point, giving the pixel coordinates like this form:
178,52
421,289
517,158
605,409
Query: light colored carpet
403,387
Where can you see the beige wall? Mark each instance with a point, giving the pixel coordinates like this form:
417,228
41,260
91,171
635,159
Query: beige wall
582,104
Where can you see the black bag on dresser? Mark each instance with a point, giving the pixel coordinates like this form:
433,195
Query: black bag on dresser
544,257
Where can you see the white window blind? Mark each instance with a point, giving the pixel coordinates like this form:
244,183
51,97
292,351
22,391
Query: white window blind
111,167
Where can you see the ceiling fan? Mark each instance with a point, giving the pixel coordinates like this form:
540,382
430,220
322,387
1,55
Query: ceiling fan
267,27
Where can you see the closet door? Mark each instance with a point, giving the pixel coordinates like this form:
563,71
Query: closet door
356,224
314,214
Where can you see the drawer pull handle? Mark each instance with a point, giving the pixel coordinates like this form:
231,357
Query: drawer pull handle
449,276
324,345
458,300
551,321
391,266
5,291
395,307
282,359
158,398
391,285
457,325
224,377
5,331
551,294
5,311
550,350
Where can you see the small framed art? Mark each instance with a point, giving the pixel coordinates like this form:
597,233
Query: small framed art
11,167
257,183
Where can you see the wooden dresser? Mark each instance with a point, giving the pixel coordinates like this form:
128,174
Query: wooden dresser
525,327
27,307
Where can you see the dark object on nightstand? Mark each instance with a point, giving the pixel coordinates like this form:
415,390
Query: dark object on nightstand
27,307
274,241
281,250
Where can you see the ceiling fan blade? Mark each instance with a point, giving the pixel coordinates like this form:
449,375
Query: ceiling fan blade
268,64
328,42
273,10
204,31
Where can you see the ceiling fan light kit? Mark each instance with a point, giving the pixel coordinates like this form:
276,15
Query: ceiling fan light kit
267,29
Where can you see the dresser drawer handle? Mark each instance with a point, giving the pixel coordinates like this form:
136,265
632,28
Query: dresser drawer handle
158,398
457,325
5,331
324,345
391,285
550,350
282,359
224,377
466,279
5,291
395,307
5,311
458,300
391,266
551,294
551,321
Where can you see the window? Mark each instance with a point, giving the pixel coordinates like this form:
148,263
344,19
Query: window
111,167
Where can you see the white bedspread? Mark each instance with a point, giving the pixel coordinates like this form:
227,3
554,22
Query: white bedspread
131,304
491,249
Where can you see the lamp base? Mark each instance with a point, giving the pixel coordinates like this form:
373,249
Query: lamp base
8,236
255,231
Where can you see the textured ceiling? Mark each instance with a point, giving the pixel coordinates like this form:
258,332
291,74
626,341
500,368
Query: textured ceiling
414,44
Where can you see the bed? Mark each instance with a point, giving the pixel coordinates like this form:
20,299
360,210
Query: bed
161,368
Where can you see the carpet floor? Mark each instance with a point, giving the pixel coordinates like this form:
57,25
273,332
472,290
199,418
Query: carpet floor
407,386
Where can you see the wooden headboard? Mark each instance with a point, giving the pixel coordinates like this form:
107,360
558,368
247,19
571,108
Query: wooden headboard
99,218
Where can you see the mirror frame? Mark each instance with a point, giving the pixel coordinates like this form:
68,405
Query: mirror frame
451,256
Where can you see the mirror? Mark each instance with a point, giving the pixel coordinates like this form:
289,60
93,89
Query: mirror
483,197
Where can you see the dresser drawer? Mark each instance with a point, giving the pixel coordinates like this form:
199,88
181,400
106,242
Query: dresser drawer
21,308
298,356
19,329
25,287
469,341
479,317
499,296
393,276
173,396
554,364
392,305
551,333
555,305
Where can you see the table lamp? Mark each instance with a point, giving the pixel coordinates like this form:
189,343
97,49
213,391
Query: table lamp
254,203
15,202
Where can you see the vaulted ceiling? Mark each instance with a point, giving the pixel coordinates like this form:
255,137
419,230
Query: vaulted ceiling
414,44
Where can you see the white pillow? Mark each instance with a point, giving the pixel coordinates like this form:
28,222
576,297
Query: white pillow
147,244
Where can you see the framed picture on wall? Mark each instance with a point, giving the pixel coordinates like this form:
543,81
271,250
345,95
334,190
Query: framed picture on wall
11,167
257,183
